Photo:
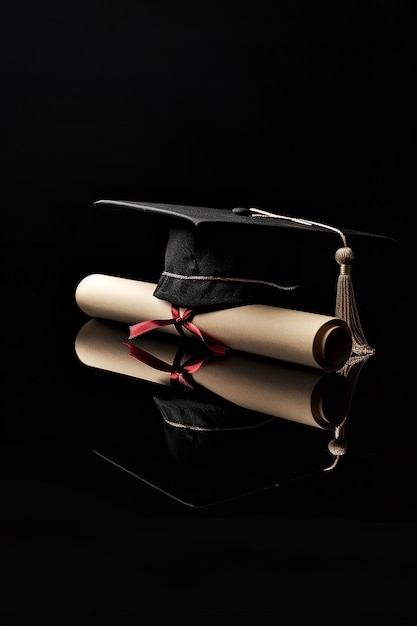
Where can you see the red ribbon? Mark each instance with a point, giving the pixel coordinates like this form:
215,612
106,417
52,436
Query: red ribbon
180,323
178,372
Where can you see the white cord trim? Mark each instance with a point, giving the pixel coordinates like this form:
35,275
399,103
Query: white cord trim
233,280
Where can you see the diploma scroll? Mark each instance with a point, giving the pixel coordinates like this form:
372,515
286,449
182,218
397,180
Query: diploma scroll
280,390
300,337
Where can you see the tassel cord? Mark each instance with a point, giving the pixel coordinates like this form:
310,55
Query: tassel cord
345,307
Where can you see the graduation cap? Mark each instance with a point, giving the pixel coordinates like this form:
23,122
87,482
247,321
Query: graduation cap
220,258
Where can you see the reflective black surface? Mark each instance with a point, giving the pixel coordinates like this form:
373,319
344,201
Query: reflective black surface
107,508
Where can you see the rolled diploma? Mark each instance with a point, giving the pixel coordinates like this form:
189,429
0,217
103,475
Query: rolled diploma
301,337
303,395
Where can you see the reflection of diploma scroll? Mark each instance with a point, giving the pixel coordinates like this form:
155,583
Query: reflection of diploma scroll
299,394
300,337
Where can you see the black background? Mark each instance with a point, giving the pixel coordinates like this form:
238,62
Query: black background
304,107
284,104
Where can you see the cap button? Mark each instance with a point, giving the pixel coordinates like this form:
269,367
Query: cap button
241,211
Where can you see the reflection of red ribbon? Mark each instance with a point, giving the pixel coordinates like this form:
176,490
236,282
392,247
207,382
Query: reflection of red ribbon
179,372
180,323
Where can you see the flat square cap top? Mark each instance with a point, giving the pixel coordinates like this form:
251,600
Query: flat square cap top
249,217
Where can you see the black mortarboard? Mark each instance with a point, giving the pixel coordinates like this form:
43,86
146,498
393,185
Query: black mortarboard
219,258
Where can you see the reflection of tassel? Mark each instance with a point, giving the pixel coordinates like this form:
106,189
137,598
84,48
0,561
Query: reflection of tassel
351,370
346,304
337,446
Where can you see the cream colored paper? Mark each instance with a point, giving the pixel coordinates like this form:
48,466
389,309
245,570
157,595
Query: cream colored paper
264,385
300,337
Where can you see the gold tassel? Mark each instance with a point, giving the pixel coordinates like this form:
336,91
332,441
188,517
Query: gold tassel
346,307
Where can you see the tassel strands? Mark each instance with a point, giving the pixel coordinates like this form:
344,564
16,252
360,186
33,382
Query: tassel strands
346,307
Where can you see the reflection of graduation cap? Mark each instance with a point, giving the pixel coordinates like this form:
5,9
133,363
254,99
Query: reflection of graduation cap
200,425
205,450
219,258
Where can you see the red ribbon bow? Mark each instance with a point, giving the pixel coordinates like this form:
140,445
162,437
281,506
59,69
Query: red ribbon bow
180,322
